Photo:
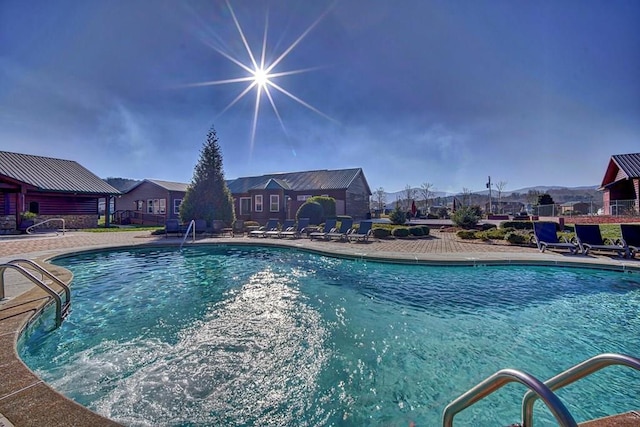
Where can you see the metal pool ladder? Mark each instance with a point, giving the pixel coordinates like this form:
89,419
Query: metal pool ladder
62,310
537,389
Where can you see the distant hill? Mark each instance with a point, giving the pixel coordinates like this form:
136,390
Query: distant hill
525,195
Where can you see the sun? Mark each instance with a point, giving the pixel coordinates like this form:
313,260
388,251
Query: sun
260,78
259,75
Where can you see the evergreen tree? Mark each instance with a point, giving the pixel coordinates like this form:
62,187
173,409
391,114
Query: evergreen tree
208,196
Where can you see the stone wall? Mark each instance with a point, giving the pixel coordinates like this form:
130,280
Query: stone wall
71,221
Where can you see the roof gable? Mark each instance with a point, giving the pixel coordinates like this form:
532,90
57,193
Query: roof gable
51,174
620,167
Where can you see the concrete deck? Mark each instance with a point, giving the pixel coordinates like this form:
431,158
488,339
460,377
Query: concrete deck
26,401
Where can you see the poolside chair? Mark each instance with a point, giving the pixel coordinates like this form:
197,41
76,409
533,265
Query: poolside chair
630,238
329,225
362,233
545,236
172,226
303,223
238,228
287,224
589,238
271,225
200,226
341,234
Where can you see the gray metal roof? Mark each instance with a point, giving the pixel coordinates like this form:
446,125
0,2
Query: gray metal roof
169,185
628,163
299,181
50,174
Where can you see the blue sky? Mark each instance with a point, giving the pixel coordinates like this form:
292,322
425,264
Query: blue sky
445,92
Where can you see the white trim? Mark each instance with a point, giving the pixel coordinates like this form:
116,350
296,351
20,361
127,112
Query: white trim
258,202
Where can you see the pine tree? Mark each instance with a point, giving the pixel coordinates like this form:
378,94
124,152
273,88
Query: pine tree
208,196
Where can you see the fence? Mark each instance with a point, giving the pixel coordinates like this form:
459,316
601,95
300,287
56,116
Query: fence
624,208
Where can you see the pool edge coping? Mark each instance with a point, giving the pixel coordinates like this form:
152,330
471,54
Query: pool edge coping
427,259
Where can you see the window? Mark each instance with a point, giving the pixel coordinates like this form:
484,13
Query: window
156,206
258,202
176,206
303,197
34,207
139,204
245,205
162,207
274,203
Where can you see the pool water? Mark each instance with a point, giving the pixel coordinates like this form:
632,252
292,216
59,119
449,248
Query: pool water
255,336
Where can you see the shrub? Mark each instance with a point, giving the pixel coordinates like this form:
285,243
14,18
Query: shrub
466,234
328,206
381,233
443,213
486,227
466,217
432,216
311,210
398,216
516,238
251,224
497,233
400,232
517,225
416,231
426,230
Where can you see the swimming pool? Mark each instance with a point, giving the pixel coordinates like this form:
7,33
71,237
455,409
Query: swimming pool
256,336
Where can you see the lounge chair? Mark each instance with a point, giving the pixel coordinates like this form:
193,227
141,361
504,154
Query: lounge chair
172,226
303,223
545,236
362,233
200,226
329,225
341,234
287,224
271,225
589,238
238,228
630,238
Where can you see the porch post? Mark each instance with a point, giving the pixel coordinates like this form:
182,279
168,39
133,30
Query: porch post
107,211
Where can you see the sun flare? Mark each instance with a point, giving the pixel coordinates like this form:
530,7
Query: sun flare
260,76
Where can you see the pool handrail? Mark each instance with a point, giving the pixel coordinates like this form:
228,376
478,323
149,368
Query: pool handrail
29,229
573,374
191,227
61,311
497,381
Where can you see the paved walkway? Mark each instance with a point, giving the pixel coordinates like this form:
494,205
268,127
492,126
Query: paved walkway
26,401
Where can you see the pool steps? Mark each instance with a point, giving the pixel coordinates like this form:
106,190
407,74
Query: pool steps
26,268
545,391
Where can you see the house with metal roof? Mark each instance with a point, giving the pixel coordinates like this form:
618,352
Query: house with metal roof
621,185
279,195
256,198
151,201
49,188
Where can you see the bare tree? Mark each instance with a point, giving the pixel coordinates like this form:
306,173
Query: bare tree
380,198
466,196
500,185
425,189
410,194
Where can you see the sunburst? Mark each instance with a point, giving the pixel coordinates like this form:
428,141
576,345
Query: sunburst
260,75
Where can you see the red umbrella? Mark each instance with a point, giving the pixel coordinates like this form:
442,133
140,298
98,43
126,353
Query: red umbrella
413,208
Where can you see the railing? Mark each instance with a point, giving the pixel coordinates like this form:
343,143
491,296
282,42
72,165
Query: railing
623,208
192,228
61,310
29,229
500,379
573,374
